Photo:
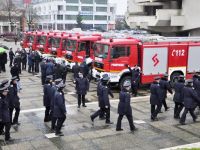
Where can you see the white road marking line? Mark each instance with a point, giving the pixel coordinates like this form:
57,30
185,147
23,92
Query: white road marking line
192,145
50,135
70,93
139,122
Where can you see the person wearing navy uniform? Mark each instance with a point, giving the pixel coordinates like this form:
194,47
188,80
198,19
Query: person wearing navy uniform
190,99
155,98
165,86
53,91
196,85
124,107
76,70
14,103
178,96
101,102
4,112
82,86
47,98
43,71
59,111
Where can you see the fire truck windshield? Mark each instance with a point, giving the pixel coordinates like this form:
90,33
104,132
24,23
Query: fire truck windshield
101,50
71,45
30,38
42,40
55,42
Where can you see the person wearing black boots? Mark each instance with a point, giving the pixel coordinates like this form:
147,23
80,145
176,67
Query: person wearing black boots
178,96
47,98
190,100
124,107
59,111
14,103
4,113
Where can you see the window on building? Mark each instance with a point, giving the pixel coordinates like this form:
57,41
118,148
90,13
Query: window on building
87,1
100,26
69,26
101,1
101,9
112,9
86,8
60,27
100,17
60,7
72,1
70,17
59,17
71,8
151,10
87,17
120,51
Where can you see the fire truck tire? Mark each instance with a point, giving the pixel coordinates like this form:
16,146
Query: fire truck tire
125,78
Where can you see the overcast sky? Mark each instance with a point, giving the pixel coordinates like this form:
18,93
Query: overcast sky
121,6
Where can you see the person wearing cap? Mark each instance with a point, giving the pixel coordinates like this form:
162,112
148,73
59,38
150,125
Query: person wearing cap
64,71
18,61
75,70
196,85
155,98
58,71
104,102
24,59
84,68
178,96
165,86
59,111
4,112
82,86
190,100
50,67
124,107
47,98
53,91
43,71
135,78
14,103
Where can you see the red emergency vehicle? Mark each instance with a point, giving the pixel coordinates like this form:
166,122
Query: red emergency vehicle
80,48
28,37
175,56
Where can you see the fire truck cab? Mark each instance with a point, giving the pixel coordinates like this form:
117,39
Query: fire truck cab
80,48
28,39
155,58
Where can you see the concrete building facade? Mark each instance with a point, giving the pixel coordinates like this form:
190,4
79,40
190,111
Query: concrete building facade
169,17
62,14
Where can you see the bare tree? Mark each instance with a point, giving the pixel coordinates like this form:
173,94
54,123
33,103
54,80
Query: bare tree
31,16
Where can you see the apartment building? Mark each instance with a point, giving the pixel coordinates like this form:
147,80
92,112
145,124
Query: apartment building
169,17
62,14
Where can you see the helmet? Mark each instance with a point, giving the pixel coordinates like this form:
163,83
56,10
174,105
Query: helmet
127,84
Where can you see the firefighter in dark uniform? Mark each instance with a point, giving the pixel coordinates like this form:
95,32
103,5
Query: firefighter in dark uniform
76,70
101,111
43,71
64,71
196,85
178,96
124,107
53,91
165,86
190,99
4,112
59,111
47,98
135,78
82,86
14,102
155,99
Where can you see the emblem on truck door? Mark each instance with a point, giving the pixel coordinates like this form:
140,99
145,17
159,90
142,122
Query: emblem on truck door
155,60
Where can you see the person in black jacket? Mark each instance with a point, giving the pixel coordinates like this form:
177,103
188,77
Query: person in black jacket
24,59
76,70
59,108
190,99
178,96
14,101
47,98
64,71
15,70
54,89
58,71
84,69
11,57
3,61
155,99
82,86
17,60
165,86
4,112
37,60
135,78
43,71
124,107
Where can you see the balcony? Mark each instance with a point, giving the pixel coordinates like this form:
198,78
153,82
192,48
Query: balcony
163,18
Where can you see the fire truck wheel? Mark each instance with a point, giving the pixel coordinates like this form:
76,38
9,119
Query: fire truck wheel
125,78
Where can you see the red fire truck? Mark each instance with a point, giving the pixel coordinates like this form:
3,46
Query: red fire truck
175,56
28,37
80,48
